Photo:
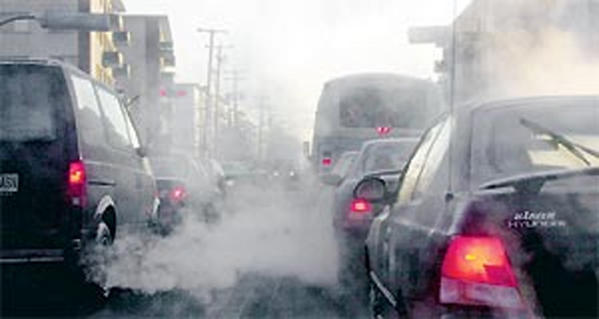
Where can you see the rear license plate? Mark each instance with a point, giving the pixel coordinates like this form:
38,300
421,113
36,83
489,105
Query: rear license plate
9,183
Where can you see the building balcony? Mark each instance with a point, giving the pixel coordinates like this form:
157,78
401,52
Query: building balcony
166,46
121,39
123,71
112,59
168,60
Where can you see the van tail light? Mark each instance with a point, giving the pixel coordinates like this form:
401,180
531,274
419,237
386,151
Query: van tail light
476,271
359,205
77,184
177,194
327,161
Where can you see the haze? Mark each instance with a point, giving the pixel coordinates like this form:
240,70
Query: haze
287,49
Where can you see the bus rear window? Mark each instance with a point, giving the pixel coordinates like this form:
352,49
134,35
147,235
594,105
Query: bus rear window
29,96
370,107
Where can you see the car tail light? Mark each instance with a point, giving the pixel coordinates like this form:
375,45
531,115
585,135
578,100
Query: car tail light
476,271
327,161
360,206
77,179
177,194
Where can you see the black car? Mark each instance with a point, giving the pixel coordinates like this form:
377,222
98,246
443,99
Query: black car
497,214
352,216
72,170
184,187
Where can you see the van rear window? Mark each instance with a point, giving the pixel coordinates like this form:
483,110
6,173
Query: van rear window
371,106
29,96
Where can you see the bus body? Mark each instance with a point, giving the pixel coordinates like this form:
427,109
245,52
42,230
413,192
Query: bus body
361,107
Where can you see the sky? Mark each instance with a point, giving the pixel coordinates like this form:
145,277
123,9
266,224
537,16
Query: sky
287,49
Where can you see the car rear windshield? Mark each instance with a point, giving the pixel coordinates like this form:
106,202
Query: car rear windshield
387,156
29,98
530,138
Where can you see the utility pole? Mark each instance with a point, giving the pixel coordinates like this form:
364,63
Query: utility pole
217,98
208,114
262,121
232,115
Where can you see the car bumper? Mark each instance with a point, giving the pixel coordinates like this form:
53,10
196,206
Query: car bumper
31,256
25,256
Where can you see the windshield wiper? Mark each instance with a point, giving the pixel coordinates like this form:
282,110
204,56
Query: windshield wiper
571,146
533,182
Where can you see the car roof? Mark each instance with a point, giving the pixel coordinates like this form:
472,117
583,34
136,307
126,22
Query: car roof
374,77
398,140
39,61
55,63
508,102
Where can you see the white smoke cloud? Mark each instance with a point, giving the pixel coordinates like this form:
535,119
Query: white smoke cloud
265,235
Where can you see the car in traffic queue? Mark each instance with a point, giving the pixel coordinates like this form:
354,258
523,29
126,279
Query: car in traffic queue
243,174
351,217
217,174
73,174
496,215
185,187
381,157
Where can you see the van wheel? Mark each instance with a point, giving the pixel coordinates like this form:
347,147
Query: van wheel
103,235
104,240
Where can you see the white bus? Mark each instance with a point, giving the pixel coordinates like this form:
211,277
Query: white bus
356,108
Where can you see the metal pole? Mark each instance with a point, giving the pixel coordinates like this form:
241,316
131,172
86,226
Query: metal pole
208,115
219,60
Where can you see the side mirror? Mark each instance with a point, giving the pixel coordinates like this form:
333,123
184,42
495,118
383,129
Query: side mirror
331,179
372,189
141,151
306,149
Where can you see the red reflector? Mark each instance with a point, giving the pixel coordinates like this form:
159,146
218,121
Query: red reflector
478,259
177,194
383,130
76,186
327,161
360,206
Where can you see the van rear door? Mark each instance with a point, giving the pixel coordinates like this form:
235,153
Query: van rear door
34,100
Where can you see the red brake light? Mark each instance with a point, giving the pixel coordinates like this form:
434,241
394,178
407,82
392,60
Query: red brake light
383,130
76,183
478,259
476,271
360,206
327,161
177,193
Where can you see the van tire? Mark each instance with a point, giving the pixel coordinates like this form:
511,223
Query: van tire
103,235
104,239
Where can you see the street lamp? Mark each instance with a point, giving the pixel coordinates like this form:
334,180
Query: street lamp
60,20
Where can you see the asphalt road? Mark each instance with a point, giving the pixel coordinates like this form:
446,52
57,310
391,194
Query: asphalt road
288,270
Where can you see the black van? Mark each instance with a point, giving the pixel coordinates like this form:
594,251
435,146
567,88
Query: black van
72,170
